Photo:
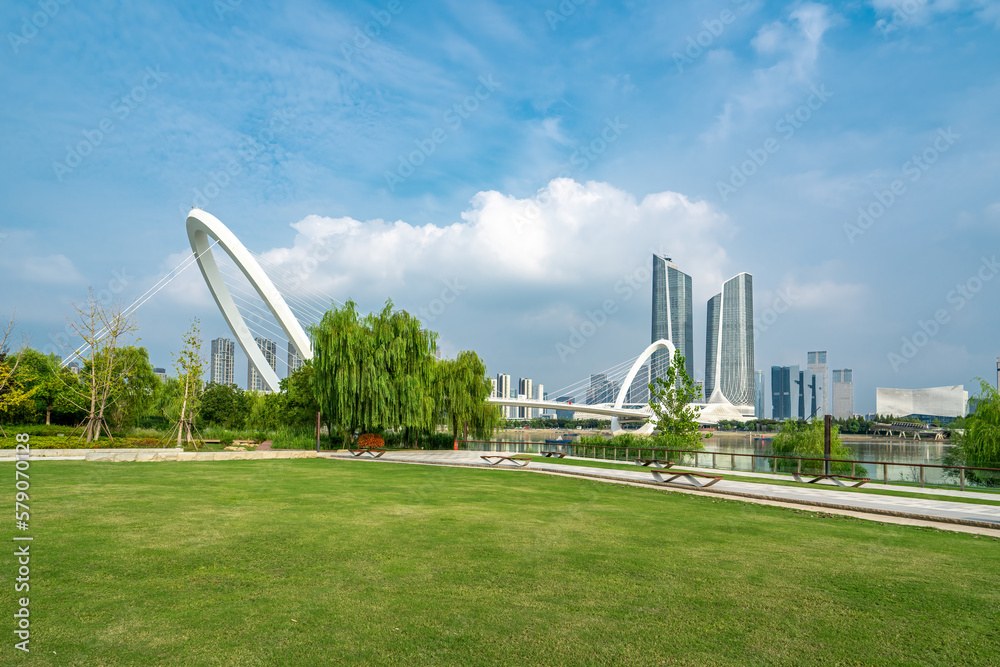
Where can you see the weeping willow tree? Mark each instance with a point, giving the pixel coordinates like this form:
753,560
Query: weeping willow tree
461,389
373,373
978,444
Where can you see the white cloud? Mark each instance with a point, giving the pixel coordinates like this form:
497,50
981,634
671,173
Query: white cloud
912,13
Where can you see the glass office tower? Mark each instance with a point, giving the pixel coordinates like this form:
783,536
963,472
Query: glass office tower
672,315
729,358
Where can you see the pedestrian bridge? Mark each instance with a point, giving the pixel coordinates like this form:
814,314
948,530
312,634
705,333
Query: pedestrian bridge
707,413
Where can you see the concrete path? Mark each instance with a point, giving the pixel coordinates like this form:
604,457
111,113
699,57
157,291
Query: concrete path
984,519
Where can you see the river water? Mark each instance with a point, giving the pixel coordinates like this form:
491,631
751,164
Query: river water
900,455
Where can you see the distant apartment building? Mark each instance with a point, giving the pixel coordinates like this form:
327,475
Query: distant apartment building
816,362
160,373
503,391
294,360
223,362
843,393
255,381
524,391
673,317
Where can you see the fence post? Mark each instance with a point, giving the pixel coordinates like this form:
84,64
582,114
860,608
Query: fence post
921,477
885,473
800,465
714,465
961,479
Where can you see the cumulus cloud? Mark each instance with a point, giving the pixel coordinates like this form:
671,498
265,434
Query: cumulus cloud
896,15
570,237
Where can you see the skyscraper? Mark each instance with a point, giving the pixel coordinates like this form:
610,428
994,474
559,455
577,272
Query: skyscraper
817,364
599,390
223,359
638,392
524,389
806,386
843,393
781,391
294,360
503,391
672,315
255,382
729,345
758,394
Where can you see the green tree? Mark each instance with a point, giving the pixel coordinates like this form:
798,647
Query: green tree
189,366
800,438
670,400
978,444
373,373
53,384
134,387
267,410
461,389
224,405
301,405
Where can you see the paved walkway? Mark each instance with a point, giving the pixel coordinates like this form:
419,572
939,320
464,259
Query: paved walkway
983,519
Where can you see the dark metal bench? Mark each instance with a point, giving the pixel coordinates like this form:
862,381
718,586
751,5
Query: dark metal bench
654,463
690,476
496,459
558,455
858,481
374,453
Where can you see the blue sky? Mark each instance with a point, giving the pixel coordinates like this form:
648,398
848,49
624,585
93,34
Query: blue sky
734,136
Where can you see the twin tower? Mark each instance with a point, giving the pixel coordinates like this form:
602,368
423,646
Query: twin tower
729,362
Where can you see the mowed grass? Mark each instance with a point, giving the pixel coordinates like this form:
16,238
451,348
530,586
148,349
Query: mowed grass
315,562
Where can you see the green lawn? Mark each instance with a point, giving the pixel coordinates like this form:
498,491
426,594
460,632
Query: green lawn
304,562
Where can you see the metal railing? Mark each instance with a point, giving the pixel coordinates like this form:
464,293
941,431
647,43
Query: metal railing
906,473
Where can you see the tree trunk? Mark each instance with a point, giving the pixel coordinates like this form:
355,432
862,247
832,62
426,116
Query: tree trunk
48,415
180,425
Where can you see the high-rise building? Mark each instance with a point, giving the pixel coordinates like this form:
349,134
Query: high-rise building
758,394
503,391
816,362
729,345
599,390
638,391
223,360
524,391
781,391
160,373
672,315
843,393
806,386
255,381
564,414
493,388
294,360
